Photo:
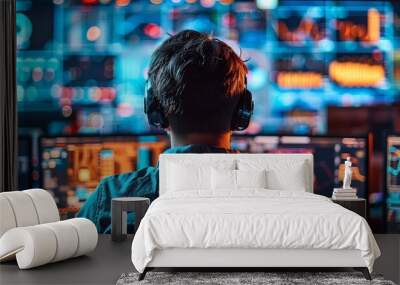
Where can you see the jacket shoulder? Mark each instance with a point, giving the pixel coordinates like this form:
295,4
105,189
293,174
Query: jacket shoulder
129,177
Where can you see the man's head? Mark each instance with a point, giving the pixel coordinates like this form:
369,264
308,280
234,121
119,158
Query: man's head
197,81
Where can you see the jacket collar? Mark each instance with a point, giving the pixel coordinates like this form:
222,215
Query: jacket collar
197,148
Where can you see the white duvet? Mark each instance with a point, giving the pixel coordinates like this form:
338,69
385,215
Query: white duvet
250,219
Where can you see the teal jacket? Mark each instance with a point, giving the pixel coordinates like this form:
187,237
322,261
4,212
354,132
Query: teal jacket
141,183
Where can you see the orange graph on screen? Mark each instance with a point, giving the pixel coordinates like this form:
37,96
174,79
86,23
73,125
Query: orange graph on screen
297,79
350,31
306,29
356,74
87,166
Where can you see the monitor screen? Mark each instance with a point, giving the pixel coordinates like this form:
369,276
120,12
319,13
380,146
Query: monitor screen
72,167
82,65
329,156
393,182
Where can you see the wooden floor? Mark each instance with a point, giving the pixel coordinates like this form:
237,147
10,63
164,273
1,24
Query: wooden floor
110,260
389,262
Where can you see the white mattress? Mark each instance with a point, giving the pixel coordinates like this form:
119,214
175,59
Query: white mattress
252,219
256,257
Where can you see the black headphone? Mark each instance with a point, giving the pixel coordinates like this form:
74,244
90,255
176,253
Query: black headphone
153,109
240,119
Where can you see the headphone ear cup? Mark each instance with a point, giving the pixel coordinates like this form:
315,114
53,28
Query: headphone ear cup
153,110
157,119
243,112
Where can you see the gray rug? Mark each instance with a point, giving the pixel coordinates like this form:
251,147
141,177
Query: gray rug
236,278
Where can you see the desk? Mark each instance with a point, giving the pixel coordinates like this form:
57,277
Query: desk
110,259
102,266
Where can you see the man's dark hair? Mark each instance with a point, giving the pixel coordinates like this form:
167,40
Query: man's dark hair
197,80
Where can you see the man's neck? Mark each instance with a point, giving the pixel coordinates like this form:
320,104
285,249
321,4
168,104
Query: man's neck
220,140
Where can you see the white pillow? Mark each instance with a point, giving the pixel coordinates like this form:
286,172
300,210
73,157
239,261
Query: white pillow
293,179
291,175
183,177
251,178
223,179
189,176
237,179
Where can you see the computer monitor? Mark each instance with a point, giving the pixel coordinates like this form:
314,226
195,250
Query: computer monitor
329,155
72,167
302,57
393,182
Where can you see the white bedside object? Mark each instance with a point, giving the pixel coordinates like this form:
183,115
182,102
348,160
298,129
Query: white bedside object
344,194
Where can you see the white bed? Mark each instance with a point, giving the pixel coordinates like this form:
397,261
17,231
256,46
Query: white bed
248,227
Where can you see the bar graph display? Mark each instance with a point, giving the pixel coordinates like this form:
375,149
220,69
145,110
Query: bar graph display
352,26
301,27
